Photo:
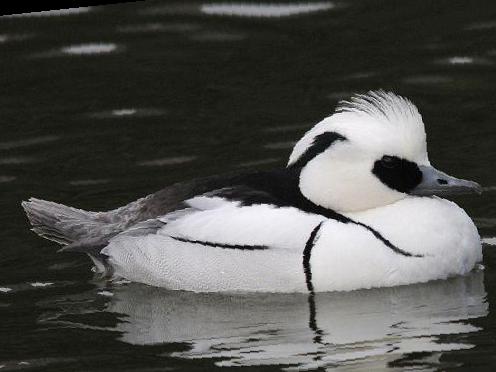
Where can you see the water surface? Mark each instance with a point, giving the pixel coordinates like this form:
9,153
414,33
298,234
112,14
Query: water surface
102,105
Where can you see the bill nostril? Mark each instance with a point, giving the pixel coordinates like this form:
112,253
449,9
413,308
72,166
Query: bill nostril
441,181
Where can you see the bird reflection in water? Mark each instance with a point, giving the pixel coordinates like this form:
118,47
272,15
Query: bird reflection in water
301,331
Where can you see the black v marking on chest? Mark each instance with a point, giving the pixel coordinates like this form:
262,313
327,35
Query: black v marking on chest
385,241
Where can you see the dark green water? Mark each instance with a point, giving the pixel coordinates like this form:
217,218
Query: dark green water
175,91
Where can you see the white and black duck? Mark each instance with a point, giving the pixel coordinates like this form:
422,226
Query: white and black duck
357,206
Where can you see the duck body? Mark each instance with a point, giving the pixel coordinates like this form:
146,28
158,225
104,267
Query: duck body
265,248
355,208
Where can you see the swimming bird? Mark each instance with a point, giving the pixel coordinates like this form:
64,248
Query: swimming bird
357,206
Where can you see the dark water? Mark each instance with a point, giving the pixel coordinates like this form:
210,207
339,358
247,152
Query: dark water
108,104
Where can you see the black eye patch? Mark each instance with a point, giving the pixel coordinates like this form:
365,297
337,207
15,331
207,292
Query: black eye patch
399,174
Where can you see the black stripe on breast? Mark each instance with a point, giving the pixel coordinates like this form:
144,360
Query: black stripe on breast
386,242
222,245
307,254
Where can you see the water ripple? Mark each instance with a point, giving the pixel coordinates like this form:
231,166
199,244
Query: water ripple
78,50
16,160
280,145
217,36
255,163
16,365
428,80
88,182
105,293
464,60
5,179
89,49
159,27
41,284
481,26
485,222
264,10
7,38
287,128
28,142
127,112
167,161
489,241
51,13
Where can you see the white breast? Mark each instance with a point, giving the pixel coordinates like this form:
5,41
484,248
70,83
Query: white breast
348,257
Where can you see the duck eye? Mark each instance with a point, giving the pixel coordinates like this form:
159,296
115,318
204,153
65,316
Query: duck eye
389,161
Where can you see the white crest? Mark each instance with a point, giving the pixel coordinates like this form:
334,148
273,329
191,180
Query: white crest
389,106
378,120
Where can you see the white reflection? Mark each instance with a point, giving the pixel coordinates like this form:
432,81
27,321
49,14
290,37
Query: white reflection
105,293
349,327
460,60
127,112
40,284
124,112
90,48
9,38
264,10
51,13
481,26
464,60
489,241
29,286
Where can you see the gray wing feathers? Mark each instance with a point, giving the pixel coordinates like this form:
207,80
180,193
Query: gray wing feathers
82,230
159,203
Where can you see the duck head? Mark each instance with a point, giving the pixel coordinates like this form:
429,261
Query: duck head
371,152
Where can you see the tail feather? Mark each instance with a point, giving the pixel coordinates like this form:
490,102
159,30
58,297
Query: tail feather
84,231
58,222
